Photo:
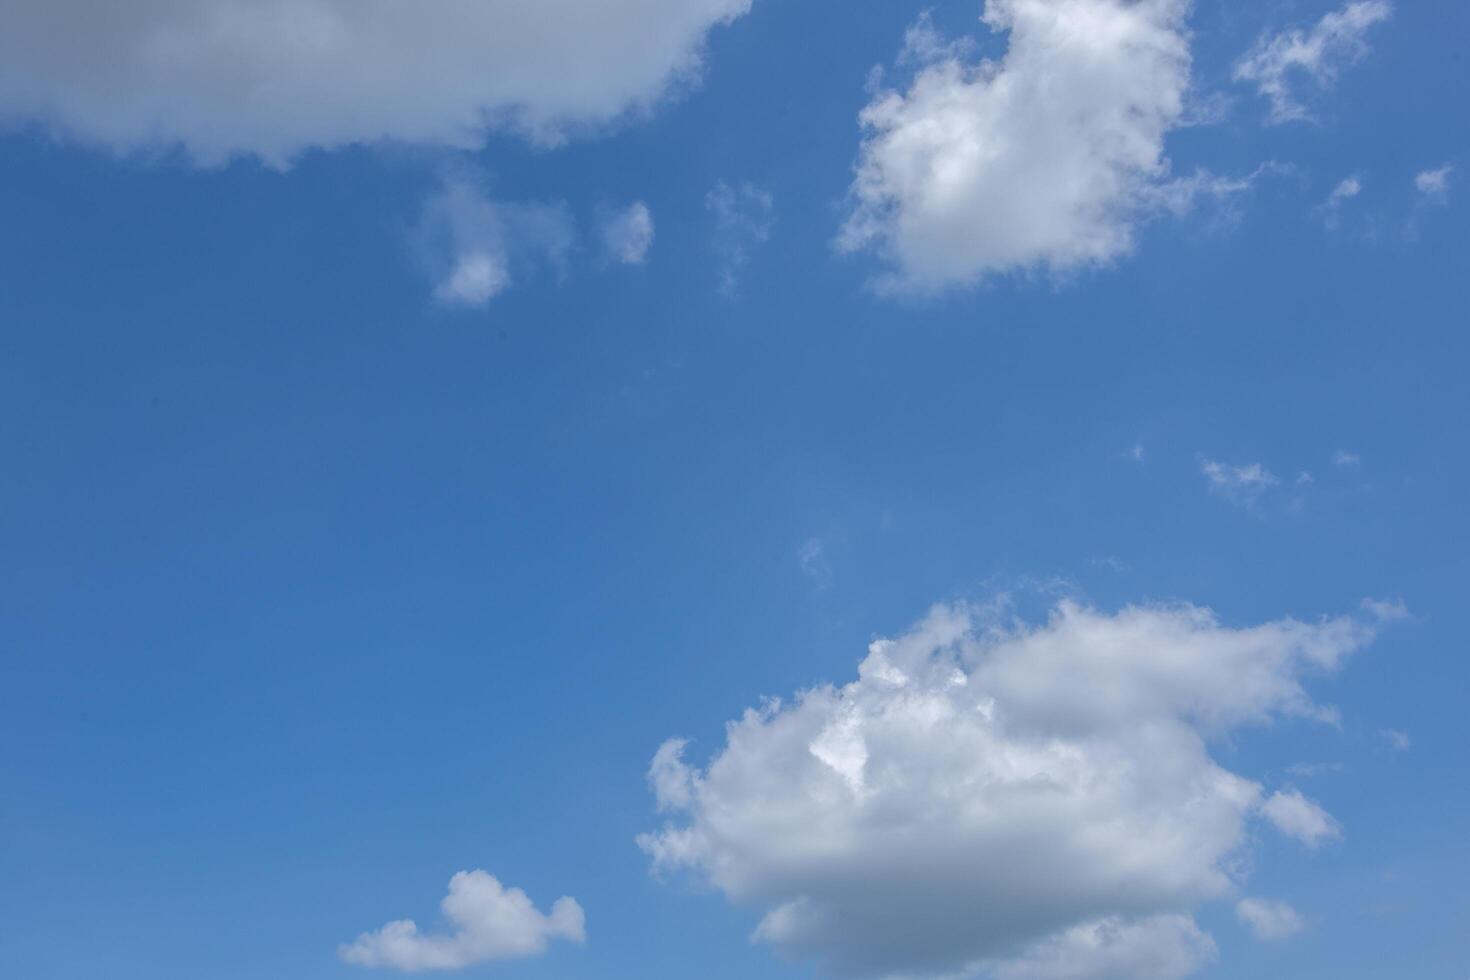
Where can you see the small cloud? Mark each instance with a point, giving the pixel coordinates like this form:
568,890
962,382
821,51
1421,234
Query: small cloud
1434,185
1386,610
1350,187
1331,209
471,245
491,922
1305,479
627,234
1397,740
1269,921
744,217
1345,458
1135,452
812,557
1306,770
1298,817
1241,485
1278,62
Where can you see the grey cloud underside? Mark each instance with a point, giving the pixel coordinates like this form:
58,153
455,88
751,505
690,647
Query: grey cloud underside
275,77
989,797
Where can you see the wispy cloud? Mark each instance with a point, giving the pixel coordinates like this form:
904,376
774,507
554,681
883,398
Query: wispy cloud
812,557
473,246
627,234
744,217
1242,485
1317,55
1397,740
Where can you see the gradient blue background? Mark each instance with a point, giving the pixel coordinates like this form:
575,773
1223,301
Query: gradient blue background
313,594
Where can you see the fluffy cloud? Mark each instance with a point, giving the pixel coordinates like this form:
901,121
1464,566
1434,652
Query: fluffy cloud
627,235
1317,55
275,77
1269,921
472,246
744,216
1046,159
1296,816
998,798
491,922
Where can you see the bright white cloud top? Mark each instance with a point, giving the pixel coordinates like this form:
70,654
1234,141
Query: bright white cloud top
1046,159
996,798
275,77
491,922
1278,62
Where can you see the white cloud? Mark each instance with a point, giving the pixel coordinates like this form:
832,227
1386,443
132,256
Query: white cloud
1296,816
275,77
1241,485
1164,947
1136,452
1397,740
627,235
491,922
1347,189
472,245
812,557
744,218
1330,210
991,797
1346,458
1046,159
1276,62
1434,185
1269,921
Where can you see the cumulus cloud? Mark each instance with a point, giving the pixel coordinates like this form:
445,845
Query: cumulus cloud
473,246
275,77
990,797
1164,947
1278,62
1434,185
491,922
1269,921
1046,159
744,217
1346,458
1296,816
1242,485
627,234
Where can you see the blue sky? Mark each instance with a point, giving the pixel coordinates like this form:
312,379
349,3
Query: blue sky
376,503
